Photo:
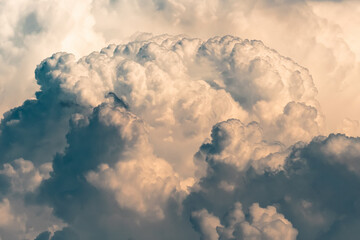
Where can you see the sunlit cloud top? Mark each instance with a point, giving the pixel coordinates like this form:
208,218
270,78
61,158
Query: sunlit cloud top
179,119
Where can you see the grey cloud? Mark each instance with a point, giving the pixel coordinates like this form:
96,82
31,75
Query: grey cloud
42,122
64,234
43,236
264,223
31,24
91,212
317,191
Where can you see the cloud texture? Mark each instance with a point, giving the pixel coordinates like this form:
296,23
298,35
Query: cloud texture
311,32
171,137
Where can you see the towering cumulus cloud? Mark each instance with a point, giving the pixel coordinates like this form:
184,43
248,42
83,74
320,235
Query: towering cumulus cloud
312,32
171,137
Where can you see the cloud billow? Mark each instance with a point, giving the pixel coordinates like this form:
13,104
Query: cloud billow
315,189
171,137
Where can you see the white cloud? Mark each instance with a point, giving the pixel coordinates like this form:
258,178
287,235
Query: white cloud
23,175
298,123
121,128
140,185
265,223
341,149
172,83
139,180
207,224
241,146
323,41
268,224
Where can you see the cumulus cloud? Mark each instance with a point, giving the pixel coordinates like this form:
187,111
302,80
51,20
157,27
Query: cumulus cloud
207,224
268,224
265,223
24,177
171,137
315,191
19,219
179,86
177,137
142,182
121,177
323,40
241,146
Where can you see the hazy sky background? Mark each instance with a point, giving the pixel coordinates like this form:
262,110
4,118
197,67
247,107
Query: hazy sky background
179,119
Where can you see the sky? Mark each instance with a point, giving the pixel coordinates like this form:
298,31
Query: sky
179,119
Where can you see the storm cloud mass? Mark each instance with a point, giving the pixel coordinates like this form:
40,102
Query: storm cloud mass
166,136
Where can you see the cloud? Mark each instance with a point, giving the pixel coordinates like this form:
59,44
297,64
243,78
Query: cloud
179,86
178,137
315,191
298,123
350,127
323,40
207,224
240,146
32,31
268,224
21,220
121,177
7,218
24,177
265,223
141,182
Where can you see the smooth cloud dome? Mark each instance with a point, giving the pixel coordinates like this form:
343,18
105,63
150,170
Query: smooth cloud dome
171,137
